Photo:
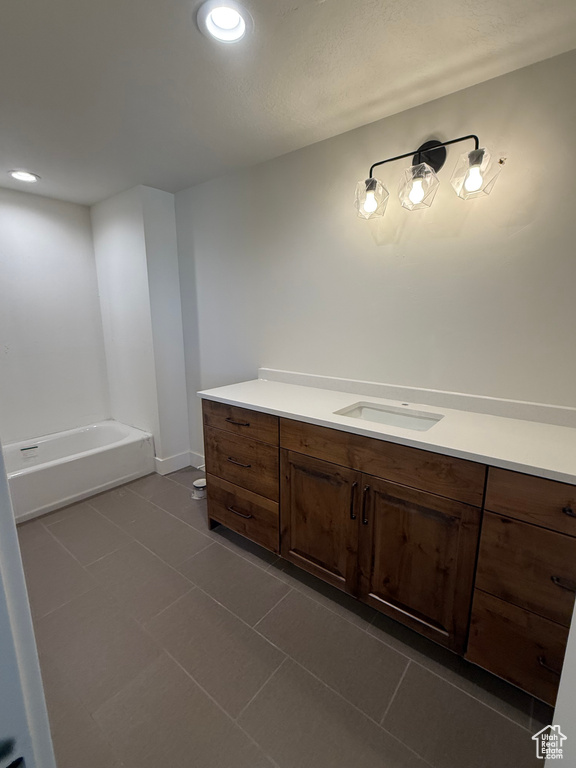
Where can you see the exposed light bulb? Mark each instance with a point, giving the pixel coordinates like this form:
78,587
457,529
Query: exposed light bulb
473,181
417,192
370,203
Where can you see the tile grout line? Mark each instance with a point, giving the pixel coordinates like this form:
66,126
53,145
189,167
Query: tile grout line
276,604
267,569
264,684
450,682
394,694
354,706
221,708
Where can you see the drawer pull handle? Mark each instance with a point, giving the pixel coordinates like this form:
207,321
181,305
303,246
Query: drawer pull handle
352,499
237,423
238,463
364,504
568,585
569,511
240,514
542,662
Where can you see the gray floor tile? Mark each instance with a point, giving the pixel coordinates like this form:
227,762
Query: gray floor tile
300,723
169,538
341,654
88,535
186,476
61,514
224,656
163,719
140,581
452,729
490,690
172,497
53,577
32,535
325,594
248,591
95,647
78,742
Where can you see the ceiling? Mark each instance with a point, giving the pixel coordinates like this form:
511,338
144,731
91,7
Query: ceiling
98,96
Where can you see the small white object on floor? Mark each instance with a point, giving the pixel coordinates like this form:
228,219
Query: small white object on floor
199,488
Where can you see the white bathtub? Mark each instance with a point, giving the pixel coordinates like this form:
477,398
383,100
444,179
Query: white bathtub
52,471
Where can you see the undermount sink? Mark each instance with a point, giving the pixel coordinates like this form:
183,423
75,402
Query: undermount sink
401,416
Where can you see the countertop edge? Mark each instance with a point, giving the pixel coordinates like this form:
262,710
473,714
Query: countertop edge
479,458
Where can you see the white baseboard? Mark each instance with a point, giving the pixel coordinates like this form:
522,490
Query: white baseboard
197,460
181,460
172,463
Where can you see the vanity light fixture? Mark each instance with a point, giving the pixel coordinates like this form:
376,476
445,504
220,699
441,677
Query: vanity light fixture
26,176
475,174
224,20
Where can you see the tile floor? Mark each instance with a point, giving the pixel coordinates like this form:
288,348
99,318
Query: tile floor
165,644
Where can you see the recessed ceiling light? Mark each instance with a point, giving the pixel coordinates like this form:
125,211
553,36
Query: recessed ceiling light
224,20
24,176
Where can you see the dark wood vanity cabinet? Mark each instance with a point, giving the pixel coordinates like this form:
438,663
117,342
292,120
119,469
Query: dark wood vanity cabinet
417,558
319,532
408,553
399,528
525,581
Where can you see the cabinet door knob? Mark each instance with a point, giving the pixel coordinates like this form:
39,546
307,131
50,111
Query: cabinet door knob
240,514
365,504
569,511
237,423
564,583
352,499
238,463
543,663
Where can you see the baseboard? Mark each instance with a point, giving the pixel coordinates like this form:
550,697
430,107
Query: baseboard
181,460
197,460
172,463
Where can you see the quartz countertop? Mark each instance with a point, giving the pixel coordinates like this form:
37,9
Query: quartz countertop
535,448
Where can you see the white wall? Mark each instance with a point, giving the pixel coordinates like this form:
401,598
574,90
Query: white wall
473,296
166,314
119,244
23,715
52,366
137,264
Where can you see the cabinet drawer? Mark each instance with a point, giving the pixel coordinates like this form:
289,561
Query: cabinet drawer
533,499
245,512
516,645
242,461
528,566
241,421
443,475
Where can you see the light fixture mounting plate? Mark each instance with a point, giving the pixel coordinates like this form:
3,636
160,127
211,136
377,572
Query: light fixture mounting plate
432,153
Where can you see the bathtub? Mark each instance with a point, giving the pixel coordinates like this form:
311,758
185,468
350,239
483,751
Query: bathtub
52,471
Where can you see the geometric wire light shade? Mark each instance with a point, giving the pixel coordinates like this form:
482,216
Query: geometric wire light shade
418,187
476,173
371,198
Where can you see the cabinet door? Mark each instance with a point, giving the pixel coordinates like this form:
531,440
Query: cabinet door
417,559
319,518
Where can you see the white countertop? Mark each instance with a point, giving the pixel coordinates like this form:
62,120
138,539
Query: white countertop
544,450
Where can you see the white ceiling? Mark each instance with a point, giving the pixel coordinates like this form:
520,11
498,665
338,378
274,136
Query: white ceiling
100,95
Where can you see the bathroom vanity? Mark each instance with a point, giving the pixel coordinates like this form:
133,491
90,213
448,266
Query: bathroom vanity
454,543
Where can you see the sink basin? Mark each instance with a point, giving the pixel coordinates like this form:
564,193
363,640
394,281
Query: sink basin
401,416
